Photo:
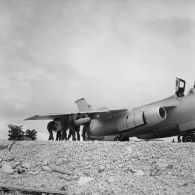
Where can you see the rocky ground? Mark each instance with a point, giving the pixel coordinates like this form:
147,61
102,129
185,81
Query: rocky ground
99,167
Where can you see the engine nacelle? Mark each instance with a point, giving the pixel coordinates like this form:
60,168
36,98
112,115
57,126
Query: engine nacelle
155,115
136,119
102,127
147,116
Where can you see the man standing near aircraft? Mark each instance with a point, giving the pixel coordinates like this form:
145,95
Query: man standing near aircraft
71,127
77,130
77,126
51,127
58,129
86,130
64,129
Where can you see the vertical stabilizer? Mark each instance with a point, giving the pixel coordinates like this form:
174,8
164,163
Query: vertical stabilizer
83,106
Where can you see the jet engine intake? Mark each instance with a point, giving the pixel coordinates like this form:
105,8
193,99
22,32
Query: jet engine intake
154,115
147,116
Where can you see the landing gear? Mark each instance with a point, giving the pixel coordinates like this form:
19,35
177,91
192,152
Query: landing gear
117,138
121,138
188,138
179,138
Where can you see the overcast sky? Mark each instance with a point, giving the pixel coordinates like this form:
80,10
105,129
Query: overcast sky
118,54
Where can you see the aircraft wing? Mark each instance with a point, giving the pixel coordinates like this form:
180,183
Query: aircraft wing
102,113
170,103
167,103
47,117
92,114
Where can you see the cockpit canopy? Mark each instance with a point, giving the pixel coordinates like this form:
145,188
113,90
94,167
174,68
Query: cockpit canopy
180,87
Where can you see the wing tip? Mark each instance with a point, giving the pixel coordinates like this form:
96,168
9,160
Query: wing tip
31,118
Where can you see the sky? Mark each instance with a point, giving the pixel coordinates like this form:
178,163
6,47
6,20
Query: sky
118,54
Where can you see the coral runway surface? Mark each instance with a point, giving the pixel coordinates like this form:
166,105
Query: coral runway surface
97,167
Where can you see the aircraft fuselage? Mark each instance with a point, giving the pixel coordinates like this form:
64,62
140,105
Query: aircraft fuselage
172,116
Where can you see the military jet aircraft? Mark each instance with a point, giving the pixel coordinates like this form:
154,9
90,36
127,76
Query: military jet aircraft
173,116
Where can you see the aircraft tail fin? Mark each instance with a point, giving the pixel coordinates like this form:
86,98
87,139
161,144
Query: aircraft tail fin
83,106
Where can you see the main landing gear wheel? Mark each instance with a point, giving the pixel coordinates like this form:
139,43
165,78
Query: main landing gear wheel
117,138
187,138
121,138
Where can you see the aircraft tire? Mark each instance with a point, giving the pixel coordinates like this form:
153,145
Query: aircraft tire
121,138
187,138
125,139
193,138
117,138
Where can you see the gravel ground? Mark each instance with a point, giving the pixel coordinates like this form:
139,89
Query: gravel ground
99,167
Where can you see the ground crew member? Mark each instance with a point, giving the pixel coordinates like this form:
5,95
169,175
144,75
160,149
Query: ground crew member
58,135
77,127
64,128
86,130
77,130
71,127
58,129
51,127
